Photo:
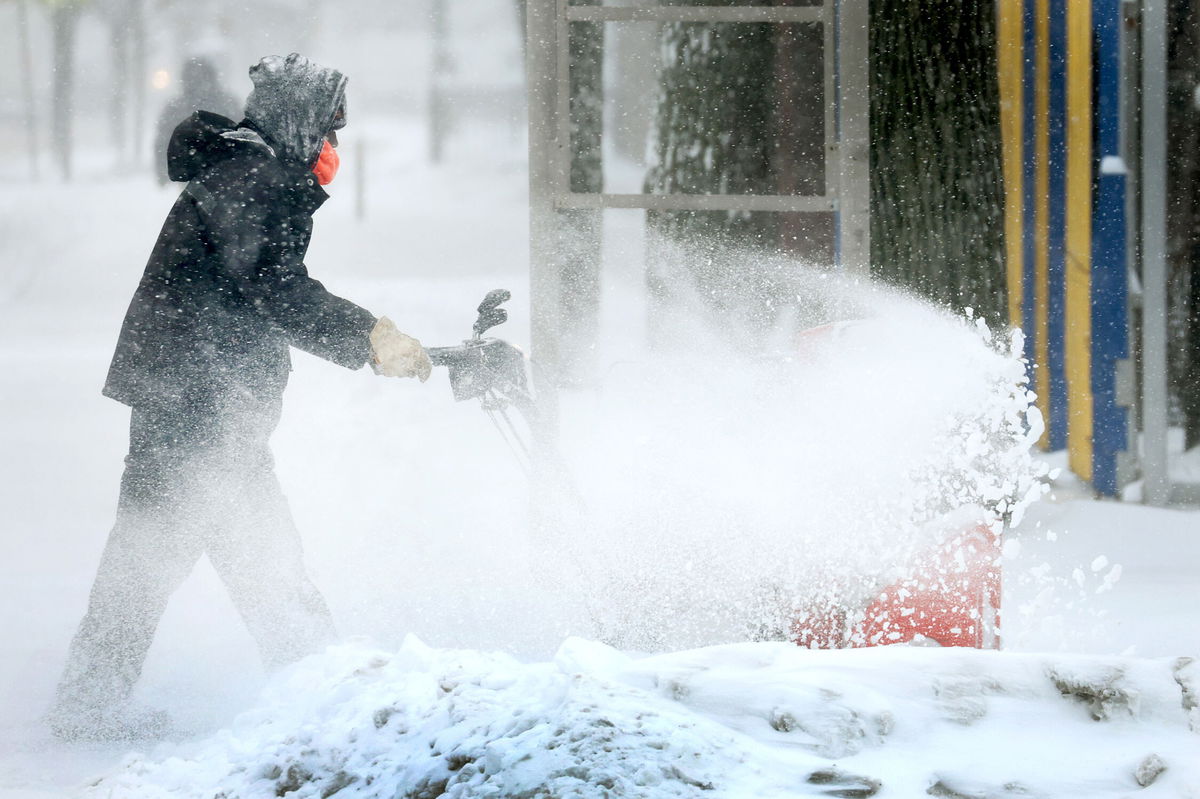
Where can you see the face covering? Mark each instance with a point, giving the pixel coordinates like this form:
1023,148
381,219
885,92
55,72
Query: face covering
327,164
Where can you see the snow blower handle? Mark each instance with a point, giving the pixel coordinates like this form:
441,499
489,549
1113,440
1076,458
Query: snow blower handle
487,368
497,374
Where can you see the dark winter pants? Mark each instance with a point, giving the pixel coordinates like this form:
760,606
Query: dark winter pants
198,481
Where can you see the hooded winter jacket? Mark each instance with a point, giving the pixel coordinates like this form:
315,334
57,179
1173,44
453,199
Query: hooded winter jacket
226,291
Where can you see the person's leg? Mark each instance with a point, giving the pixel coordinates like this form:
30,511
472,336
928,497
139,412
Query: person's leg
261,561
258,552
149,552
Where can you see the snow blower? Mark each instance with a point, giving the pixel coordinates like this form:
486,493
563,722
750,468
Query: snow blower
494,372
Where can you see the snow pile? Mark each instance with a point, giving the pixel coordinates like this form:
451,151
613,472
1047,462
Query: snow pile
735,721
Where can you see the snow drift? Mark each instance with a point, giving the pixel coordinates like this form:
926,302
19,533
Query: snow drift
746,720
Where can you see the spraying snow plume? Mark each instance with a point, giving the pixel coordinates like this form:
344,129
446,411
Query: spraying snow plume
712,488
724,492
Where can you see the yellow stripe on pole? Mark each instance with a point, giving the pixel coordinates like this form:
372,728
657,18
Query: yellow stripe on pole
1078,239
1041,220
1009,67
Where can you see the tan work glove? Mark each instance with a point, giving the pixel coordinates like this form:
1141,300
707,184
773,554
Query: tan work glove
393,354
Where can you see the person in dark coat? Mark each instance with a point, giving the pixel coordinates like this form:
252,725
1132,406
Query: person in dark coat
202,360
199,89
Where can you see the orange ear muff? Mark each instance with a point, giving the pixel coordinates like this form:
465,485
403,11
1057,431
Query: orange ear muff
327,164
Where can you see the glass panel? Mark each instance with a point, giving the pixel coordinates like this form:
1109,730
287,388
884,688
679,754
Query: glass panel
698,108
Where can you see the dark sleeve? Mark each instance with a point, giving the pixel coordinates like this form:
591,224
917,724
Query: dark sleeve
262,261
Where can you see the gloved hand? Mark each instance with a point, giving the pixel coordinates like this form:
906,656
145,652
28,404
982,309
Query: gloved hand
393,354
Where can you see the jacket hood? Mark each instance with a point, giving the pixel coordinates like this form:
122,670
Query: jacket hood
293,104
200,141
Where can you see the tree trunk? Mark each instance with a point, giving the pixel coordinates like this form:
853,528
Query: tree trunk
1190,392
798,138
581,229
741,110
1183,216
119,95
31,134
63,19
522,17
635,51
936,182
713,134
713,127
138,79
439,127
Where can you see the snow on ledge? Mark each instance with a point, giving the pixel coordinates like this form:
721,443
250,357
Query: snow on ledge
745,720
1113,165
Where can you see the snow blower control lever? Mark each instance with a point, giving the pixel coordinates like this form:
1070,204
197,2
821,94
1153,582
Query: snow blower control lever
490,312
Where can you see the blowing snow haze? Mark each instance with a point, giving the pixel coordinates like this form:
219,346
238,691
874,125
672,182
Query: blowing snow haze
723,484
742,439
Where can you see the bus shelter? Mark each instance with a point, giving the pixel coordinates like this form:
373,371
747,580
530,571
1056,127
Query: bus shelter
844,190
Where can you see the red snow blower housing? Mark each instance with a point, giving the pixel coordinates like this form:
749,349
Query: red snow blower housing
950,595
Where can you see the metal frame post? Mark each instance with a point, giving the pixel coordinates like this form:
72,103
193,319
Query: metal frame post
438,127
27,87
854,135
1157,487
544,146
1131,147
545,289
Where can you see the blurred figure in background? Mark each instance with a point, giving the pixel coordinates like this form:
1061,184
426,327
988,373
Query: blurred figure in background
199,90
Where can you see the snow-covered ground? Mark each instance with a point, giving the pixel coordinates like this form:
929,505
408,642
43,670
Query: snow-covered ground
416,525
748,720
